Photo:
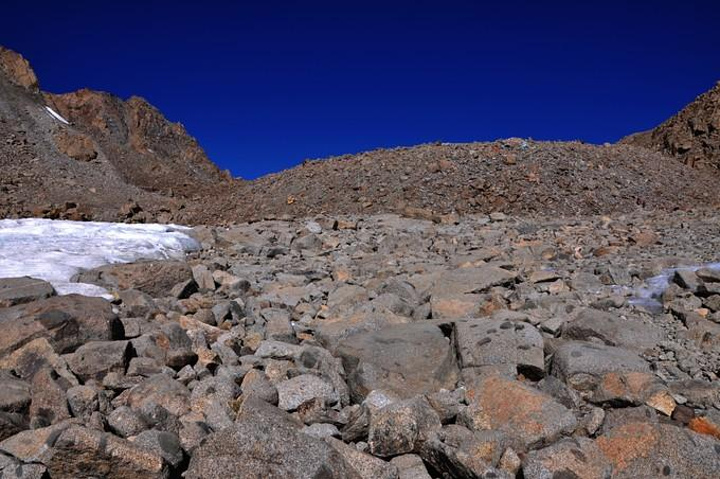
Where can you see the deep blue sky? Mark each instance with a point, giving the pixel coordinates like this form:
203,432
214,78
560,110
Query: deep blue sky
264,85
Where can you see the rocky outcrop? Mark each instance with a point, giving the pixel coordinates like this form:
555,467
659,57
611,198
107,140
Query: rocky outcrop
147,149
18,70
97,153
692,136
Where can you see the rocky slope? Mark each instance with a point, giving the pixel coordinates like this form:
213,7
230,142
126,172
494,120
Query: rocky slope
376,347
122,160
94,155
511,176
693,135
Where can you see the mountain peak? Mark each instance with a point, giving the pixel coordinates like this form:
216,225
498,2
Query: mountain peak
18,69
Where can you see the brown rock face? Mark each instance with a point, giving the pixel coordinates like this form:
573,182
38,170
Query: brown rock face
147,149
693,135
77,146
18,69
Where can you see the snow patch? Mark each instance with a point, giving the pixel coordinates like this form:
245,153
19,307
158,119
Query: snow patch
56,115
649,295
55,251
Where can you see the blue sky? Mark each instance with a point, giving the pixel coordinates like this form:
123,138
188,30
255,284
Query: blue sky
265,85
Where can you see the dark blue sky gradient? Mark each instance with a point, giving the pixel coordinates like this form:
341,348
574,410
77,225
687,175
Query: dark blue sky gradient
264,85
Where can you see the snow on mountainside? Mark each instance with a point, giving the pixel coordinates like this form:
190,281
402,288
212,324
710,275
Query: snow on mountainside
56,250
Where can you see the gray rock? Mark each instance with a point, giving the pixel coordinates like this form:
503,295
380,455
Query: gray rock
66,322
49,403
321,430
83,401
93,360
170,345
579,457
709,275
162,390
406,360
402,427
126,422
278,327
294,392
10,467
581,364
642,449
15,393
458,452
526,416
686,279
12,423
164,444
257,384
203,278
367,466
483,342
155,278
410,466
136,303
266,442
14,291
612,330
77,451
277,350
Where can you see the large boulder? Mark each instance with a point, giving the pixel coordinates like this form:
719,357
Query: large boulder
93,360
402,427
266,442
80,452
155,278
643,449
582,365
66,321
15,291
612,330
489,343
579,457
406,360
528,417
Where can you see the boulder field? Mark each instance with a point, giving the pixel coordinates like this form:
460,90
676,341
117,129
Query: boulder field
378,346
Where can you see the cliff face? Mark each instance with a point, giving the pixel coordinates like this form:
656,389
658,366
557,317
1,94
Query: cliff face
147,149
693,135
95,151
17,70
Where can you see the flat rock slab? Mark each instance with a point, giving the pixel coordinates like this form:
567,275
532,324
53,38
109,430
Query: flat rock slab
15,291
65,321
455,293
643,449
528,417
266,442
155,278
580,458
78,450
612,330
485,342
407,360
582,365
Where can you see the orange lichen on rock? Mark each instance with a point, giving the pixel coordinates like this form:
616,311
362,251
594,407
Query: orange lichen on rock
626,443
702,425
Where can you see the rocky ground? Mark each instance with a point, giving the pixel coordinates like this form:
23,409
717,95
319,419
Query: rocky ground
377,346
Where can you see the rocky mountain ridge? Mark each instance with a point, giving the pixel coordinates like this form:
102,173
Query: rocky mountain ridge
90,154
692,135
122,160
